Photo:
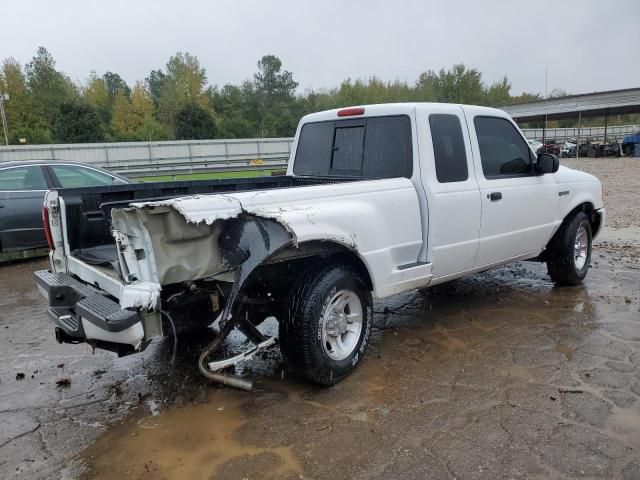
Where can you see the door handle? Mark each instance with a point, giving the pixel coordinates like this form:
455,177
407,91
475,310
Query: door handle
494,196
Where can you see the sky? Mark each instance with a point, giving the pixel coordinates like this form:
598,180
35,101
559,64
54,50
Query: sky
585,45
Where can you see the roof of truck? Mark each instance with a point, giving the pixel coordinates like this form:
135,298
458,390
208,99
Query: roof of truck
399,109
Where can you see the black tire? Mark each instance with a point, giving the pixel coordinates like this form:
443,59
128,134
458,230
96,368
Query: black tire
301,333
627,150
561,259
591,153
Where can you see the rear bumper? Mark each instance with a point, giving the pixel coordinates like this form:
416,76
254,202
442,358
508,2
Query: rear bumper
82,313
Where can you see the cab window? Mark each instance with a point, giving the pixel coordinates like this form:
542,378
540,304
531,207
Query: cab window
371,147
22,179
503,151
448,148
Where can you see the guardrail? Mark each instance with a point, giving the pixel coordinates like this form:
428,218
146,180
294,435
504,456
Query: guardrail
147,159
613,133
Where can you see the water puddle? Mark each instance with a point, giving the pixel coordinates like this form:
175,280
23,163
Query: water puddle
194,442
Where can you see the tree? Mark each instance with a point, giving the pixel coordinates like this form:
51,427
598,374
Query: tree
23,118
232,109
274,91
48,88
193,122
114,84
182,84
123,121
155,84
272,83
77,122
498,94
133,118
96,93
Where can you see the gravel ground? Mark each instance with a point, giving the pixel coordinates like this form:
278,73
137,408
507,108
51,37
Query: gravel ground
500,375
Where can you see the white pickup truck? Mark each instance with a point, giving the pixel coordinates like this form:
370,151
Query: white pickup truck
377,200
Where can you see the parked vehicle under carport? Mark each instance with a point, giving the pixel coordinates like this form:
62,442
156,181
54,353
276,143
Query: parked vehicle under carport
22,189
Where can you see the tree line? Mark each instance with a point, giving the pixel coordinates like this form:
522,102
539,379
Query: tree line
177,101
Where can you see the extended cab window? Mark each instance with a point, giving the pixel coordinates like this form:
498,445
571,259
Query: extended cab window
503,151
373,147
448,148
22,179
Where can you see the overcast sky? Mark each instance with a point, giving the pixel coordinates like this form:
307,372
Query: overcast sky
587,45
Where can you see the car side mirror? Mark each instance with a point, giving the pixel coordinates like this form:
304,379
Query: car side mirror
547,163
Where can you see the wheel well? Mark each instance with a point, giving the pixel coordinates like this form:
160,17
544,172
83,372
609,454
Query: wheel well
594,217
269,285
595,221
322,251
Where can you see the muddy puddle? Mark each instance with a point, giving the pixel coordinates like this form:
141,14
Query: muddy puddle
198,441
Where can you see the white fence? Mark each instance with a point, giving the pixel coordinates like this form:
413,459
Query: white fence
596,133
144,159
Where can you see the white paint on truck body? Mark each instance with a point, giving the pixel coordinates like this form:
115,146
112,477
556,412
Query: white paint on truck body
368,217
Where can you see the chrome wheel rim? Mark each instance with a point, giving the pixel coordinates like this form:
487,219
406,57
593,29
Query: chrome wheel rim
341,324
581,247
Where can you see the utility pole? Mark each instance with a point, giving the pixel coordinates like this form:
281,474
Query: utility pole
3,98
546,109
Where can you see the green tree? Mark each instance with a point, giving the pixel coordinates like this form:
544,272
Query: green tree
274,92
96,94
193,122
232,110
460,85
133,117
77,122
114,84
155,84
498,94
24,119
183,84
48,88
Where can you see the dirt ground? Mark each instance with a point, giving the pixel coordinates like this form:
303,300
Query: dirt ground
500,375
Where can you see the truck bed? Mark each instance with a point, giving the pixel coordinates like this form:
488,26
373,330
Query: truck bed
88,210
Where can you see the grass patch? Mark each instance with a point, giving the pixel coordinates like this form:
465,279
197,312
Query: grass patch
208,176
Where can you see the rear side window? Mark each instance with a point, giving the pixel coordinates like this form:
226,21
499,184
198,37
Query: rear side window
448,148
503,151
22,179
374,147
70,176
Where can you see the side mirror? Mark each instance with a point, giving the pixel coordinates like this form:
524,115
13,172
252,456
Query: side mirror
547,163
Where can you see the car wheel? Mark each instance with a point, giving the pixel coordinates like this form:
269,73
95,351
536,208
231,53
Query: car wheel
326,330
569,251
591,153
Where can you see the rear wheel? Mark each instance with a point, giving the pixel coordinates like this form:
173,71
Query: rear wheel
569,251
325,332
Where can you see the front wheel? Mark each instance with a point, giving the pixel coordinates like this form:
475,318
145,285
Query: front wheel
569,251
326,329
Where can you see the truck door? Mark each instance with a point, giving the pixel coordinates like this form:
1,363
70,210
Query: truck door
447,172
518,206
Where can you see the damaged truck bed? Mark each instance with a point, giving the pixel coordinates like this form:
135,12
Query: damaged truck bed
365,210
